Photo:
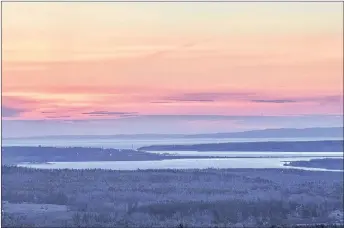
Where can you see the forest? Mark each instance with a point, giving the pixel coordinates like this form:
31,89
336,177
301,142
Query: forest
170,198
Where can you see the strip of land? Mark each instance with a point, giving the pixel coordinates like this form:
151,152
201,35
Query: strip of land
297,146
324,163
16,155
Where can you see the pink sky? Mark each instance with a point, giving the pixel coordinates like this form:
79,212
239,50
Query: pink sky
73,61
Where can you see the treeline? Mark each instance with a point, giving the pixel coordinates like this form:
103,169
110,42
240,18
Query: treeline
297,146
15,155
168,198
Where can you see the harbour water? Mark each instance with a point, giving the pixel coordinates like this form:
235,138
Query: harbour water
218,163
234,159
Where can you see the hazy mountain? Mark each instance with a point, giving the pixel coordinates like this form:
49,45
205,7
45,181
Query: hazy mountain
266,133
279,133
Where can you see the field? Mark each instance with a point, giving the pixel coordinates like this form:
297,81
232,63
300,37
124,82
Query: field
168,198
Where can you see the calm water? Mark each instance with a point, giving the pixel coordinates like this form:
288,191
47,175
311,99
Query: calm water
136,143
178,164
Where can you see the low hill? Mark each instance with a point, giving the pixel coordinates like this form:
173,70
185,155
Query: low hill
330,132
296,146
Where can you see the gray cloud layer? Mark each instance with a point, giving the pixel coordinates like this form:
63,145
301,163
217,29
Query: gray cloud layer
108,113
207,97
245,96
274,101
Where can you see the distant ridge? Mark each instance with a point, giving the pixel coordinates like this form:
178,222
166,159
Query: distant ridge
266,133
283,133
304,146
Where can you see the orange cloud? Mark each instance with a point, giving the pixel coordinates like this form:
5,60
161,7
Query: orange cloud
147,61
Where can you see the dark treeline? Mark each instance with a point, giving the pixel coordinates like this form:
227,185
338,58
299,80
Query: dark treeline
170,198
298,146
16,154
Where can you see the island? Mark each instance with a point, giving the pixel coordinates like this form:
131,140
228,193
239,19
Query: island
290,146
40,155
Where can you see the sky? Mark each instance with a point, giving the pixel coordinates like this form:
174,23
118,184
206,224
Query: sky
110,68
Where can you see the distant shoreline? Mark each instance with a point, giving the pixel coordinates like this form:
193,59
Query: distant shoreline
290,146
43,155
323,163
